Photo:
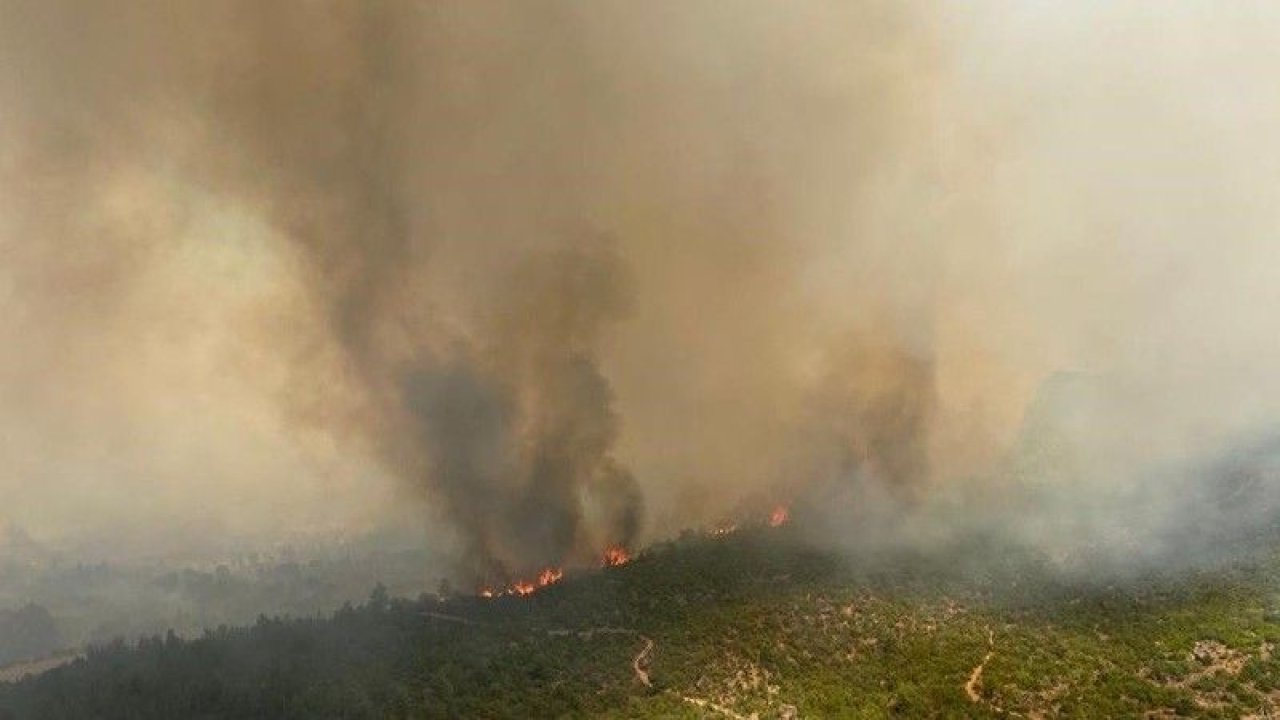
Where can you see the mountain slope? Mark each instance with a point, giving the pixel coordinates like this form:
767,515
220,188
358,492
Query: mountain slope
755,623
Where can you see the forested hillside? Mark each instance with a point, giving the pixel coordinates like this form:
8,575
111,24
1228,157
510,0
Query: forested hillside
753,624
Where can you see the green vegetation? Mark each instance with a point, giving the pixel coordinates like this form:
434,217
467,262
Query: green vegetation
753,624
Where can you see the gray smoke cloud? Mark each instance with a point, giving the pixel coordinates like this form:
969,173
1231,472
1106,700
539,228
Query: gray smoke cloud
561,276
519,430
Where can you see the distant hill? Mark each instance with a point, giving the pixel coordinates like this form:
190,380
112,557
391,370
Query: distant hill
752,624
27,633
17,546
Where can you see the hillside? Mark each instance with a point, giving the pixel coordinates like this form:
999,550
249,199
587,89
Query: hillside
752,624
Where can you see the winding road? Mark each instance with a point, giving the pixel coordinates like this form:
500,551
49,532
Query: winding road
642,659
975,677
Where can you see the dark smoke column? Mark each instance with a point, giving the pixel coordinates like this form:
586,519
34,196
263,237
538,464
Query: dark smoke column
519,423
499,415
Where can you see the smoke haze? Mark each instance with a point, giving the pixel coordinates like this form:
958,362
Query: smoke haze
545,277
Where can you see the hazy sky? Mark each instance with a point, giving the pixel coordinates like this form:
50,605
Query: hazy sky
315,266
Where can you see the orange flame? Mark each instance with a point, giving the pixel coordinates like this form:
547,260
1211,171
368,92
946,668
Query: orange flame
723,530
524,588
615,556
779,516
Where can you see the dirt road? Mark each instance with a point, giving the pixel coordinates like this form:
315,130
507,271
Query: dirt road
975,677
18,671
642,660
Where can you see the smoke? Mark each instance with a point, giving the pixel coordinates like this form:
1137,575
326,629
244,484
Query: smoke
518,429
561,276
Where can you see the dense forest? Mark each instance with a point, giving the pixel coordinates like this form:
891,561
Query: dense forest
752,624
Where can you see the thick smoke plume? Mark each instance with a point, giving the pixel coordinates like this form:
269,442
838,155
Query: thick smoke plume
519,431
566,275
